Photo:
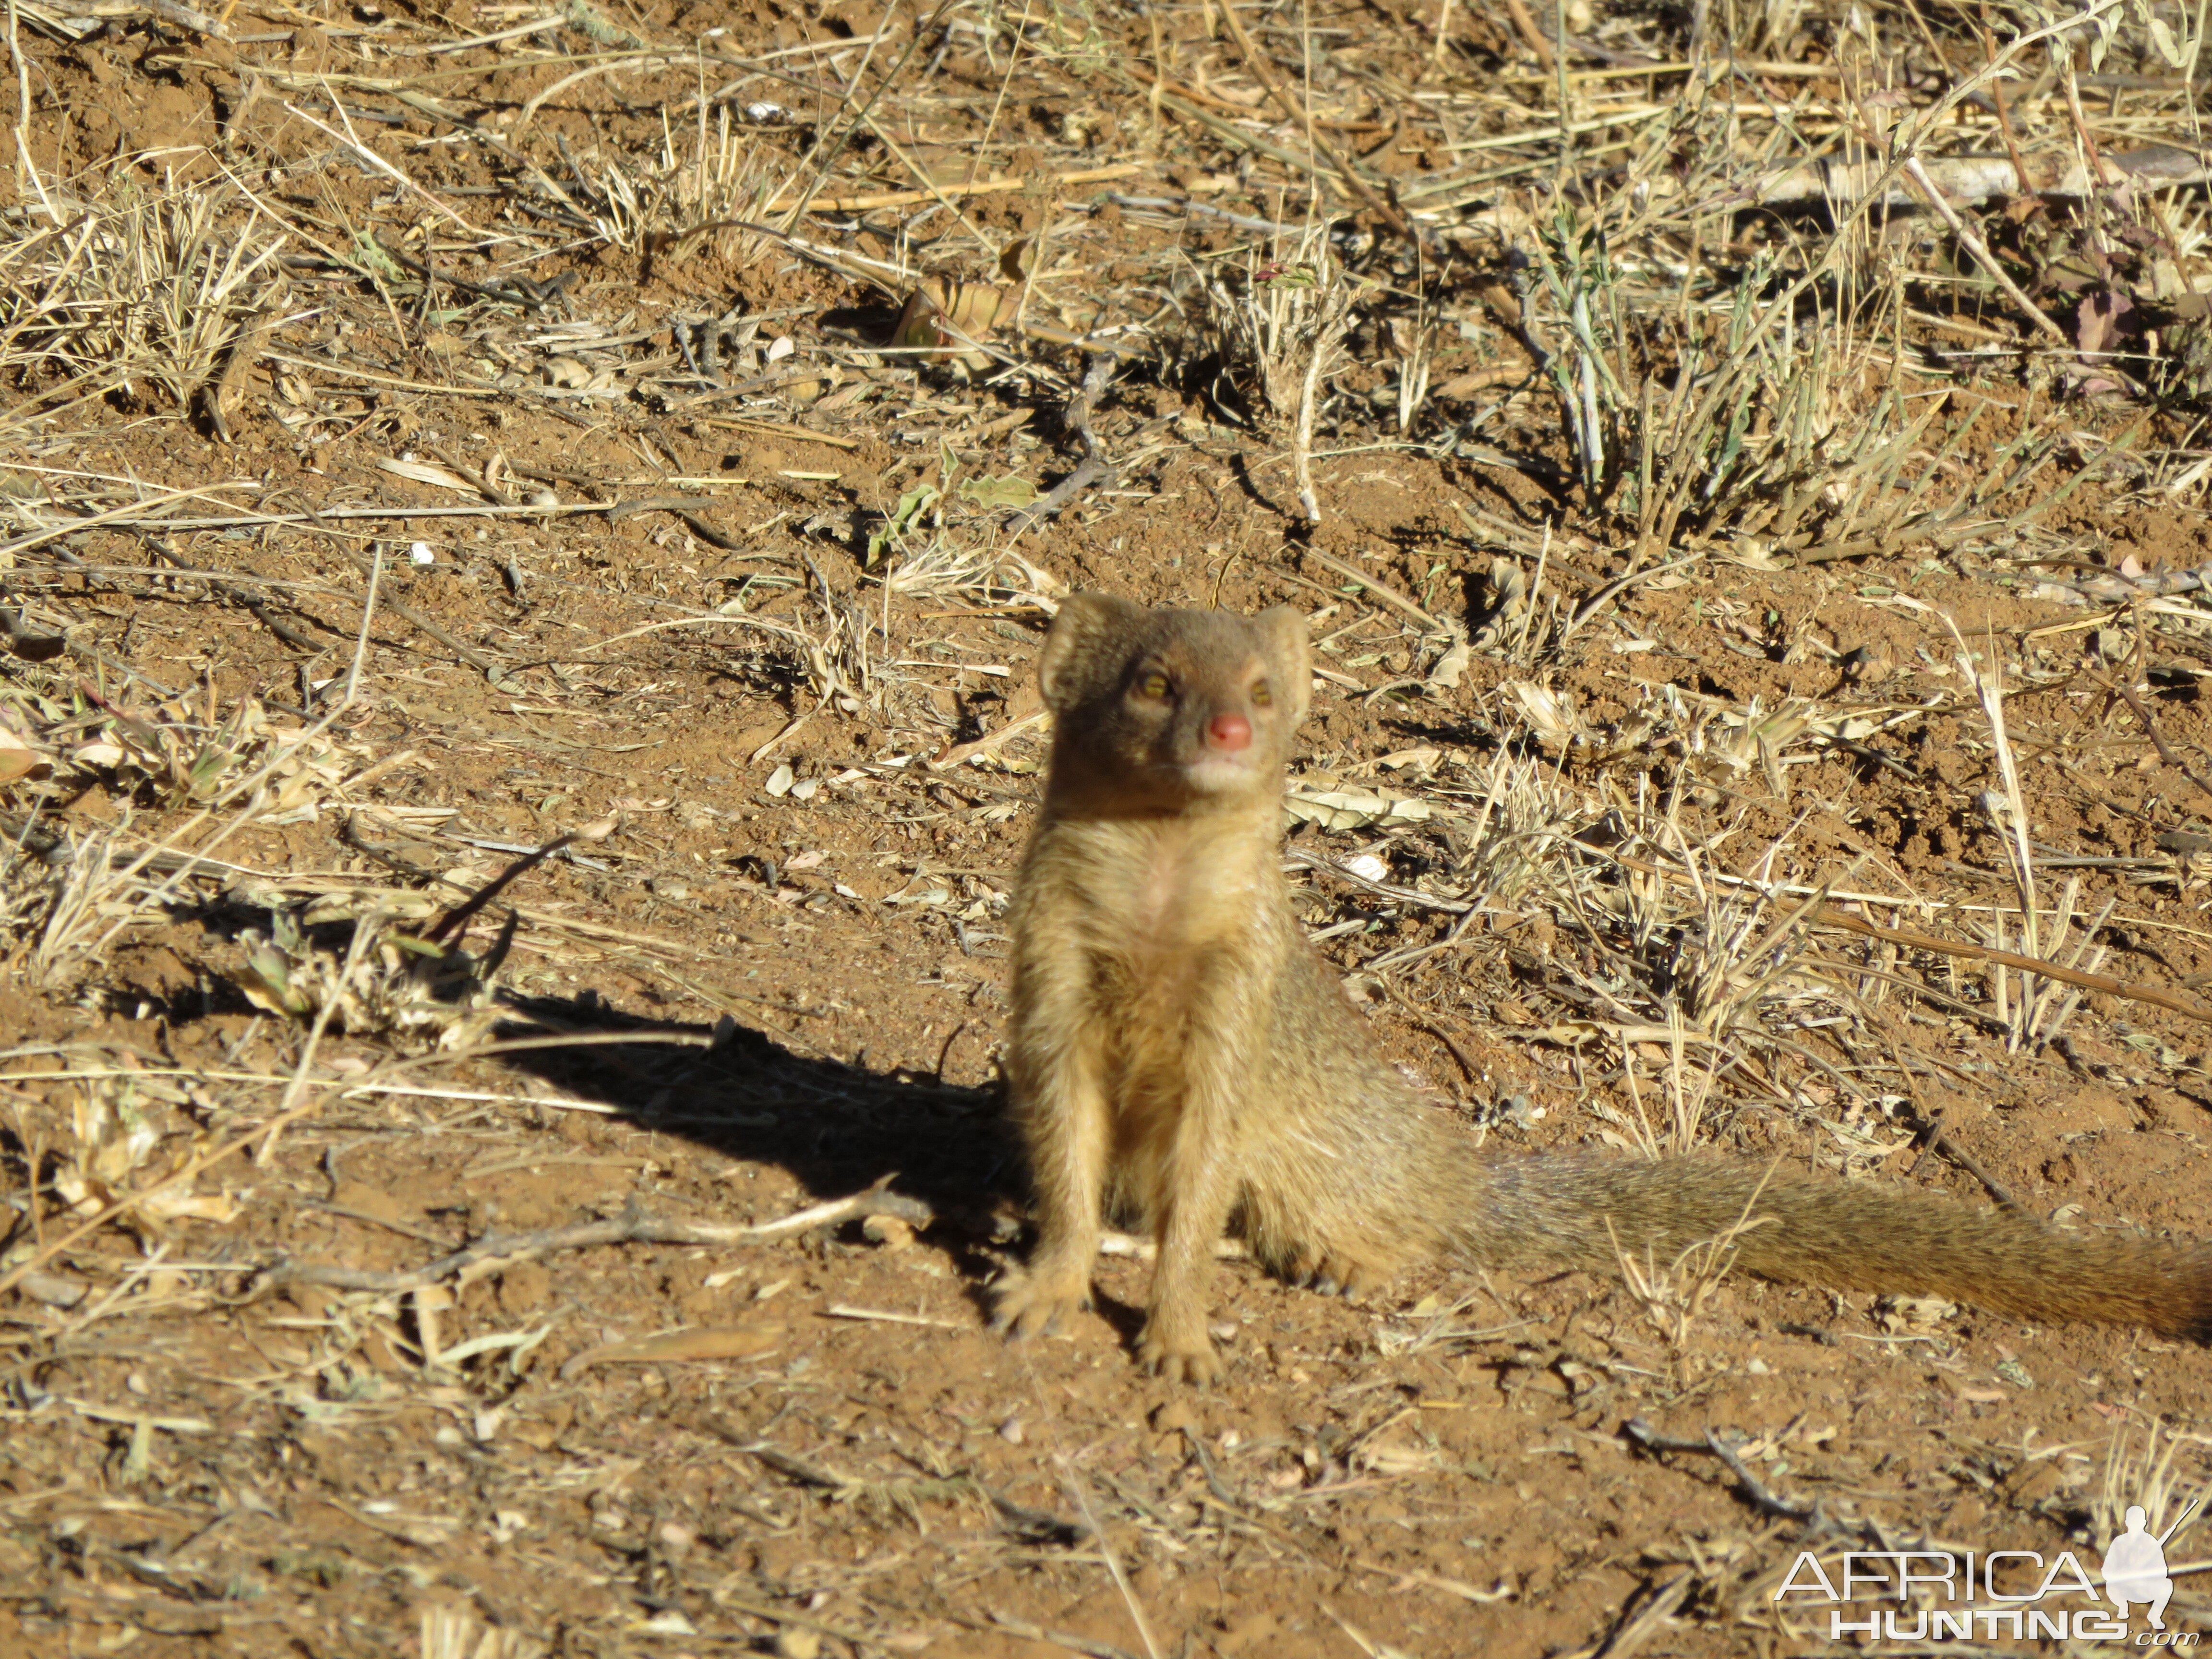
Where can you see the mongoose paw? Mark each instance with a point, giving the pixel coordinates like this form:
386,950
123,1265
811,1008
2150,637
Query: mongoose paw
1029,1306
1191,1360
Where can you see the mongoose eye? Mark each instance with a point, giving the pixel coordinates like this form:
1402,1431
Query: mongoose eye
1263,695
1153,685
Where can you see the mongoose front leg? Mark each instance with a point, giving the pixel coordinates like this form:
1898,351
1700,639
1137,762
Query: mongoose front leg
1197,1188
1060,1102
1174,1343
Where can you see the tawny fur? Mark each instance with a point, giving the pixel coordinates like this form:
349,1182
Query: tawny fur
1179,1049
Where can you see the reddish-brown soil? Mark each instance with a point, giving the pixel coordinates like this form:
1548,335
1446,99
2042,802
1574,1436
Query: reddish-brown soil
780,951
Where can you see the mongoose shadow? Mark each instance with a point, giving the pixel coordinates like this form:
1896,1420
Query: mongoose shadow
837,1128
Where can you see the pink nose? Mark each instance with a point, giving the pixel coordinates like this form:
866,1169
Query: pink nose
1229,732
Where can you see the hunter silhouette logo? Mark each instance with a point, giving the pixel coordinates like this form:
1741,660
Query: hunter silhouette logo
2015,1596
2135,1567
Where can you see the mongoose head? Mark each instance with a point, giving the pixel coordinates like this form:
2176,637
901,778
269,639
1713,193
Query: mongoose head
1162,711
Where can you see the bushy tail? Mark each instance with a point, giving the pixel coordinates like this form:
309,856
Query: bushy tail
1588,1211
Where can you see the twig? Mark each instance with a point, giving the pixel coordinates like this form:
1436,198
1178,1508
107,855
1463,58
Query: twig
2166,751
1940,1141
1825,916
1379,589
1089,1646
122,519
1044,1526
1971,240
1358,1638
845,1633
1904,147
907,1209
984,745
886,1316
781,430
369,158
1256,61
460,915
26,169
516,290
363,935
1088,472
1093,466
1988,689
1184,110
2004,114
1590,607
37,648
128,518
257,609
407,613
893,199
248,788
844,134
1711,1446
52,849
1501,1591
1524,25
1659,1605
1325,336
632,1226
255,334
54,1246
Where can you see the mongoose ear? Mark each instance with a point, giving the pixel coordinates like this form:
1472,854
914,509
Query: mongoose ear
1284,630
1082,645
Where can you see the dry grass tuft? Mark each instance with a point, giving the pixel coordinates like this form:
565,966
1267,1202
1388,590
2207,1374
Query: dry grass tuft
2145,1474
135,293
1674,1295
1276,326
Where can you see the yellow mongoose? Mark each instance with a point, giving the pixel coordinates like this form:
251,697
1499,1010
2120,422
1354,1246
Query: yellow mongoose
1178,1046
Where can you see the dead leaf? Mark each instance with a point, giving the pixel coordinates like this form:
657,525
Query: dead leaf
1915,1314
15,760
701,1342
888,1230
1460,387
1509,604
1012,490
574,374
424,473
1424,760
1551,714
176,1204
1344,809
2101,322
1451,668
944,314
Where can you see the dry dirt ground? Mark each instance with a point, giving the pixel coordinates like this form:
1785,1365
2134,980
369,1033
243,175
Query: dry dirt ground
411,464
